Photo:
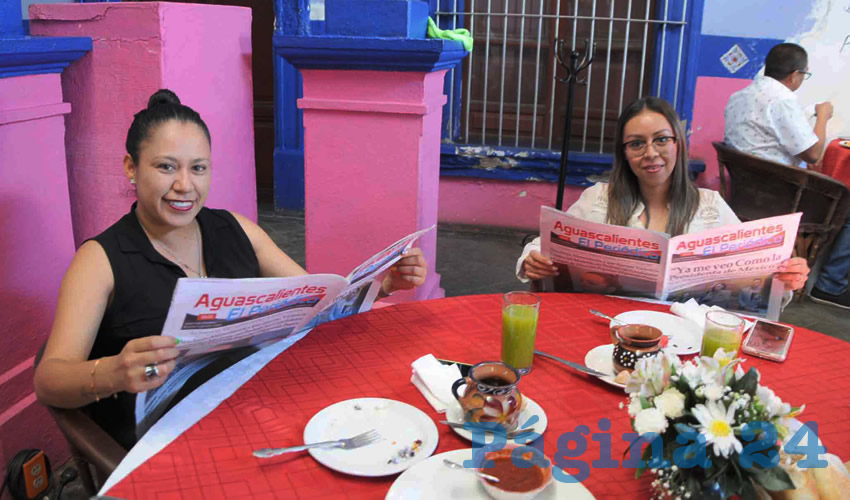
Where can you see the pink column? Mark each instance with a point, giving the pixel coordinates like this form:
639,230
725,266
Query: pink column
36,246
371,166
202,52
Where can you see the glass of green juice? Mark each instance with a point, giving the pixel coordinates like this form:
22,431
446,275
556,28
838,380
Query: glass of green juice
722,329
519,329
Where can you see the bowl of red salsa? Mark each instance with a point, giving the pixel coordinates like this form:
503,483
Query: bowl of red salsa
515,483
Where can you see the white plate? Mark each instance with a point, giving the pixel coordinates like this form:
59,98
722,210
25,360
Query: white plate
454,413
399,425
600,358
430,479
684,337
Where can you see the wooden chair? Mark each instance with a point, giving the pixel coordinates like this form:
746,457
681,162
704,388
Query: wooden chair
758,188
97,454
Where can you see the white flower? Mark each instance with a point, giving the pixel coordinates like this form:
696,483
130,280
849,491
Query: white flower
739,372
713,392
690,372
652,374
671,402
709,371
724,358
716,425
774,406
650,420
634,406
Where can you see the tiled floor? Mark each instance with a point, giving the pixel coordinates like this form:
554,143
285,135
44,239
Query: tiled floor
479,260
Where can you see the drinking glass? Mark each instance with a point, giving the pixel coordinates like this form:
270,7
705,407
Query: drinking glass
519,329
722,329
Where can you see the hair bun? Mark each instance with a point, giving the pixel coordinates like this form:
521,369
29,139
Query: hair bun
163,96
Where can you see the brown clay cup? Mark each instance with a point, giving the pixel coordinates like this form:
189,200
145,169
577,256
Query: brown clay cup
632,342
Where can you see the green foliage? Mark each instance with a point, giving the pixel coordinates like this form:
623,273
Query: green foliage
748,383
772,479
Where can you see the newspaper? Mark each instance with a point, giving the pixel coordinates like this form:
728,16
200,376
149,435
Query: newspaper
730,266
211,317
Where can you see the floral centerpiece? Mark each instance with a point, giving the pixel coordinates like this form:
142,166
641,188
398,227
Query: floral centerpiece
703,413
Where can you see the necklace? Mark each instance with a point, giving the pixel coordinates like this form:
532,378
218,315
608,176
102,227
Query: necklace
163,248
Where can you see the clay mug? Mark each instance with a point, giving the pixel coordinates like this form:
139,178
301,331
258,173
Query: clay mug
632,342
491,394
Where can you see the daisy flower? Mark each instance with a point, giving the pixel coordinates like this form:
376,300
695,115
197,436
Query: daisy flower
716,426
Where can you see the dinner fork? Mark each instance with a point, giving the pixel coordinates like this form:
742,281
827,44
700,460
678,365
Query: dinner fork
358,441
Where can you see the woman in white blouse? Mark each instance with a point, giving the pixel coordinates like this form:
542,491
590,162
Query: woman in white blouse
649,188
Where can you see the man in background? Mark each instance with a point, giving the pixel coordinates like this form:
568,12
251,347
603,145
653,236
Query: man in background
766,120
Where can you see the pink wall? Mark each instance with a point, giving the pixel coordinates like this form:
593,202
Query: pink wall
207,61
37,246
711,96
202,52
371,162
485,202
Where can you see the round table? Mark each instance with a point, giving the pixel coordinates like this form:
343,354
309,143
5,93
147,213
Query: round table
369,355
836,161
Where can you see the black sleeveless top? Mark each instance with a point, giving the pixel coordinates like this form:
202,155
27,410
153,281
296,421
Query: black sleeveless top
144,284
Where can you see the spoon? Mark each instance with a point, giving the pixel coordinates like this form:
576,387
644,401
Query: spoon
455,465
603,315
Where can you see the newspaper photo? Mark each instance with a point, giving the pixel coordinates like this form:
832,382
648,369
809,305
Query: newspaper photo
211,317
730,266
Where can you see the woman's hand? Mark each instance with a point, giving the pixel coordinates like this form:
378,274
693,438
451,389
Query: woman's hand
793,272
537,266
407,273
128,367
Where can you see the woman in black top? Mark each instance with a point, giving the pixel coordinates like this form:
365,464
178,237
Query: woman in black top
116,293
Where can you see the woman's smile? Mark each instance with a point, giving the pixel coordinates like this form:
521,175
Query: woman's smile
180,206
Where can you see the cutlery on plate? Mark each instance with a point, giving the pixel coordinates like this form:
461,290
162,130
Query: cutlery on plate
454,465
358,441
511,434
581,368
603,315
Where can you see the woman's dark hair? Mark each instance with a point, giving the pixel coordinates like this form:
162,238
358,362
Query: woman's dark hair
623,189
163,105
784,59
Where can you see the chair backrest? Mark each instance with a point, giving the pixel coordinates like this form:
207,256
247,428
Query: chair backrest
758,188
88,442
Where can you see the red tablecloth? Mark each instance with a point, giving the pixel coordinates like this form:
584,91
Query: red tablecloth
836,162
369,355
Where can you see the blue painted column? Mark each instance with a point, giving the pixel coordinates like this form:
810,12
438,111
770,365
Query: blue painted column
22,55
292,18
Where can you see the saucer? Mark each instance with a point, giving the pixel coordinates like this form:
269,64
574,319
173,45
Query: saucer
683,336
454,413
430,479
600,358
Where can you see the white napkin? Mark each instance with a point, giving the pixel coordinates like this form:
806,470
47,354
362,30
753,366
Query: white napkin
434,380
693,311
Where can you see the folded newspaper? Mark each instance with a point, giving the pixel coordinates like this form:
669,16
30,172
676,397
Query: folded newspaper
209,316
730,266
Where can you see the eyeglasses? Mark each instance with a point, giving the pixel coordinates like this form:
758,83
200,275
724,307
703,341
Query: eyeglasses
806,74
637,147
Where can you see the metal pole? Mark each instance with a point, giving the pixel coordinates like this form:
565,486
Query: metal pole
568,122
573,68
